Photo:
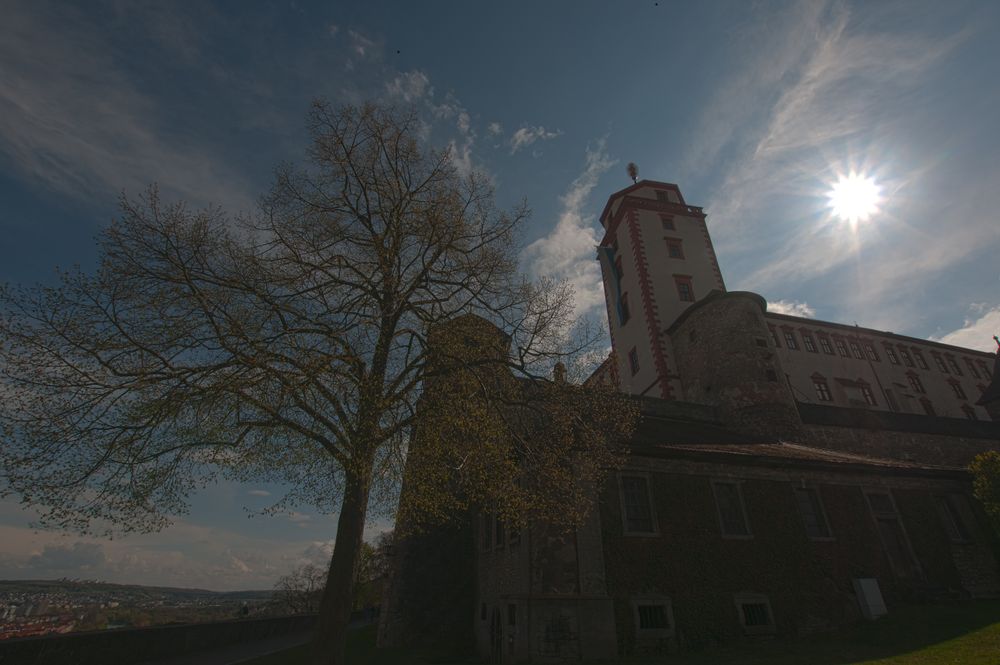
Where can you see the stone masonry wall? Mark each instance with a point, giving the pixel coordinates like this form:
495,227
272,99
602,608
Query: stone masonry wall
807,581
725,358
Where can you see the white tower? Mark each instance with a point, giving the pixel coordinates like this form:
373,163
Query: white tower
656,259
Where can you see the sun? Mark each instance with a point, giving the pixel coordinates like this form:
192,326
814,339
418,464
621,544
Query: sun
854,197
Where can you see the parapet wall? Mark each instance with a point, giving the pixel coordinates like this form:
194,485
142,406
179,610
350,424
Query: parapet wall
138,645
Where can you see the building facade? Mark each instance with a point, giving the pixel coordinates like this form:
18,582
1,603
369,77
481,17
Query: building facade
788,475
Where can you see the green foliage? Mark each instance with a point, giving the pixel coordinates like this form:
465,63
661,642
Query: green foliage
985,470
288,345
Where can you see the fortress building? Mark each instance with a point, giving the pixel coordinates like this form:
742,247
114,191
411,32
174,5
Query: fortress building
788,475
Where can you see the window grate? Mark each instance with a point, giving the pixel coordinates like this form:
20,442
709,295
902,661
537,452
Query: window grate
755,614
652,617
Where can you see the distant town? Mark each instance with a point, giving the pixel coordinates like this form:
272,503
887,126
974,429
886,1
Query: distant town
42,607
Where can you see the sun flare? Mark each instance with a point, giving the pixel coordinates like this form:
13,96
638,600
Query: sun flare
854,197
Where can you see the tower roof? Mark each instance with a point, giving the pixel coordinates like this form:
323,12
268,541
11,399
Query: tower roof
654,184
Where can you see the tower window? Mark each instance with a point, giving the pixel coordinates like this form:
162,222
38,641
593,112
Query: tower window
928,406
822,390
869,396
953,365
637,509
807,341
674,248
891,355
685,291
916,383
856,349
950,507
668,222
774,336
972,368
969,412
732,515
633,361
939,361
824,343
626,314
842,348
870,351
907,360
811,510
790,340
959,393
619,271
986,370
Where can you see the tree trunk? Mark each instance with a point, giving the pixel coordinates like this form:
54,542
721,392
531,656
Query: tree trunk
335,608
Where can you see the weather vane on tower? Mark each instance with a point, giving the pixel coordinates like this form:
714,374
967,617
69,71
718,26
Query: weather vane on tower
633,171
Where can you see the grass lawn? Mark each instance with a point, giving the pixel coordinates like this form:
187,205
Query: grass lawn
945,634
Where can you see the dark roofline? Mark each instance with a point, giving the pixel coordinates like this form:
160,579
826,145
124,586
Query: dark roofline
713,295
875,419
801,320
772,461
655,184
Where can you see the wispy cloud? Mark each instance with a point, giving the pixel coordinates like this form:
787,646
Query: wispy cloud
259,493
525,136
976,333
791,307
568,251
186,555
825,95
72,119
409,86
361,44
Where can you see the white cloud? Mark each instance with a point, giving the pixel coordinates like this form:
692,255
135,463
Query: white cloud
259,493
780,119
361,44
409,86
791,307
184,555
72,119
299,518
568,251
494,129
525,136
976,333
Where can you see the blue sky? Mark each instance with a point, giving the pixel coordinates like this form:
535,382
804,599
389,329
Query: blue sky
752,108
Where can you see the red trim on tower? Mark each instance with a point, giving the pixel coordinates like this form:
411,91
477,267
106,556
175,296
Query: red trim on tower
646,289
636,203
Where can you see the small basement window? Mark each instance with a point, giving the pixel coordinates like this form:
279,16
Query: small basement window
755,614
654,617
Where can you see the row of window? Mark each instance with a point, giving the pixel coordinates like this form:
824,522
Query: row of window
654,615
824,394
640,519
847,347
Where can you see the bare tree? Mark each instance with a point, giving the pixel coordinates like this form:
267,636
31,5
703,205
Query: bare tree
301,590
293,345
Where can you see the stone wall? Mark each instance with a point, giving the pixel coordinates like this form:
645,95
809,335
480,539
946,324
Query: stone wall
137,645
808,582
725,358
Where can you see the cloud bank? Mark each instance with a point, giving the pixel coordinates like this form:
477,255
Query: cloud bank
568,251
